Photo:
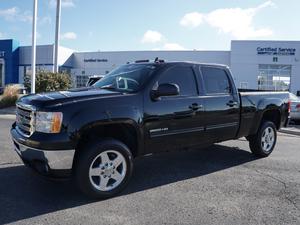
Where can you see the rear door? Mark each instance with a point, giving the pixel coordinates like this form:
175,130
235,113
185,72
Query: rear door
174,122
221,103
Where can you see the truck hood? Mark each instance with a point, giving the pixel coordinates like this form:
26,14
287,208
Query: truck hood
61,97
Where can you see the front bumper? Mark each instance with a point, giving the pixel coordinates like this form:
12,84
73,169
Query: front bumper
54,163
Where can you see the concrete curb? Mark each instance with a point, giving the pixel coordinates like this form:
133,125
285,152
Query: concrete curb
9,110
7,116
8,113
293,131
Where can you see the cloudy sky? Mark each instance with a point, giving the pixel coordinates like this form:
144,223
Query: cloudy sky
92,25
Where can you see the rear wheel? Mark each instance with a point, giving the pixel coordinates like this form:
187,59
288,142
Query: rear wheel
103,168
263,142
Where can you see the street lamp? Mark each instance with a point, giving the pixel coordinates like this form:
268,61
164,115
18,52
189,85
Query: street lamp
33,54
57,31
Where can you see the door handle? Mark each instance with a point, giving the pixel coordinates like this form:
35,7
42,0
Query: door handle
231,103
195,106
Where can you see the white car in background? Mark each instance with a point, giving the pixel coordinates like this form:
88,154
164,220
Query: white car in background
295,108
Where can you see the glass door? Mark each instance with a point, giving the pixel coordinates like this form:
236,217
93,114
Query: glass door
1,73
274,77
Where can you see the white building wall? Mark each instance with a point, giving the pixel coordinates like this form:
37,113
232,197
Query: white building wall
44,58
64,54
44,55
95,63
245,61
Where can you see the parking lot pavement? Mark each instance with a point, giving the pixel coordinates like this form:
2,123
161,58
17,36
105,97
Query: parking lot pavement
291,129
223,184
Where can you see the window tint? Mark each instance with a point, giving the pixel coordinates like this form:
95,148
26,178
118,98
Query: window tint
183,77
127,78
215,81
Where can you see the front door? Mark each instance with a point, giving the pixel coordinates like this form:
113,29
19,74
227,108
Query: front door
176,121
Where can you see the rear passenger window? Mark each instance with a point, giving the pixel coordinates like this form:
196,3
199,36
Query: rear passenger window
182,76
215,81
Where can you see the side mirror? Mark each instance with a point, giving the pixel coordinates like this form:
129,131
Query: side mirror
165,90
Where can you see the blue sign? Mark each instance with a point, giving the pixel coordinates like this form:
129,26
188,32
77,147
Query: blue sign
275,51
2,53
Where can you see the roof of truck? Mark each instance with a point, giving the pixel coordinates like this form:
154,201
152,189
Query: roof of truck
179,62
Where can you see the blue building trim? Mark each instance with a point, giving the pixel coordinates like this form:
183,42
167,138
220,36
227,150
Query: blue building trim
10,54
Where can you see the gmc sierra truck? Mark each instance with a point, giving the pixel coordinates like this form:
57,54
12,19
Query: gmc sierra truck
93,134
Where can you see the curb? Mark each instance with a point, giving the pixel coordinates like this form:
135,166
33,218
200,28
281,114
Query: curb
8,111
289,131
8,116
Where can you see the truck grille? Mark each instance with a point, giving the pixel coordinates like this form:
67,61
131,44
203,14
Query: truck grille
24,119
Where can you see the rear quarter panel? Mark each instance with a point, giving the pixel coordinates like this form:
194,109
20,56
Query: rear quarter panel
255,104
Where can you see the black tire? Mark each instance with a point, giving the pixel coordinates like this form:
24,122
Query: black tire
88,155
255,141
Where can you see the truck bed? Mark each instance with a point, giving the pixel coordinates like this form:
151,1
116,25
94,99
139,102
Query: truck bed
253,105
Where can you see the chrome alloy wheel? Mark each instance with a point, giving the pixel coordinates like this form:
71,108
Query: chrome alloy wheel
267,139
107,170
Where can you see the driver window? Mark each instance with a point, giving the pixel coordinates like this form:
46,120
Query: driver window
182,76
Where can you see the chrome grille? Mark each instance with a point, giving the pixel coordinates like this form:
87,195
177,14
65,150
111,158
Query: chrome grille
24,119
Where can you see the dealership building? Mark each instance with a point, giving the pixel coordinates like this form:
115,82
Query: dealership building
264,65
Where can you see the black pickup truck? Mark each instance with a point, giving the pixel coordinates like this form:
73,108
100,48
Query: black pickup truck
93,134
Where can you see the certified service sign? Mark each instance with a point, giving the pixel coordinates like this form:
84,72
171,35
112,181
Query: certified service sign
275,51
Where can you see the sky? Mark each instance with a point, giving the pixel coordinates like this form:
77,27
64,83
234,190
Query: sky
121,25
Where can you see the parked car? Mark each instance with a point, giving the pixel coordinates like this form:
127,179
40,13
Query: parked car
95,133
295,108
93,79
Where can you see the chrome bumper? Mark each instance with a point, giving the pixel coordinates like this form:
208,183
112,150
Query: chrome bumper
55,160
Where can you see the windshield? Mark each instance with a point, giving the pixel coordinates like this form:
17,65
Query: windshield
128,78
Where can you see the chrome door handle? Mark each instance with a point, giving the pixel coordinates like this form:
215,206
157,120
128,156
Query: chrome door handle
231,103
195,106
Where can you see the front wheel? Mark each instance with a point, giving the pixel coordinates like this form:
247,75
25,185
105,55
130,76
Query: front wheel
103,168
263,142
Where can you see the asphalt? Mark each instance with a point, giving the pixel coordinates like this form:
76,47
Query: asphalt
223,184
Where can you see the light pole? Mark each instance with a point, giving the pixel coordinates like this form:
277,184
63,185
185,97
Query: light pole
57,31
33,53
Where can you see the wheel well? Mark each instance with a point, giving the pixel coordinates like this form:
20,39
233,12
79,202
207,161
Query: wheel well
122,132
273,116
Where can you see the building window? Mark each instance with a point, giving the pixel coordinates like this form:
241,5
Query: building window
81,81
274,77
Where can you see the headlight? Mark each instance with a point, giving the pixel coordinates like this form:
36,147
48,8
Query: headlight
48,122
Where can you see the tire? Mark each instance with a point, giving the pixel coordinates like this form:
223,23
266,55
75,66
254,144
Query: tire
103,168
264,141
